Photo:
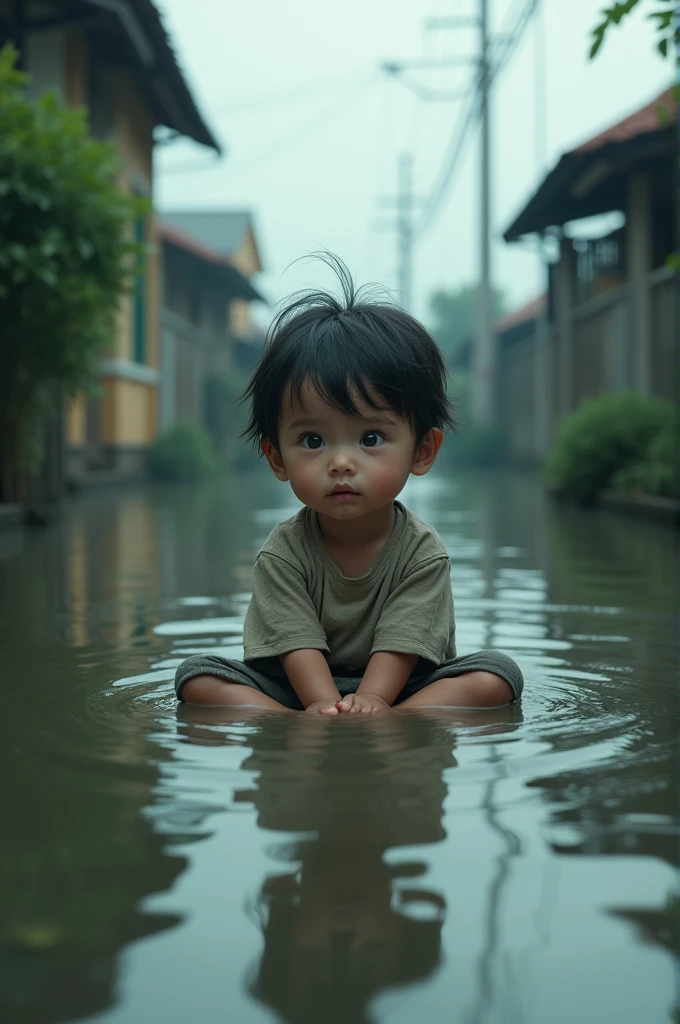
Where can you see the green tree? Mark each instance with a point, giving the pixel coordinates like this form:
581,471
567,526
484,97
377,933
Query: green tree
456,315
66,259
663,15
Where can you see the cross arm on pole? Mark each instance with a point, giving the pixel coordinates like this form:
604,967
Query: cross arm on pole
444,22
425,64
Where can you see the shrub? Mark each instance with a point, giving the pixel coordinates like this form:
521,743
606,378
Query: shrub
66,259
604,436
658,472
184,452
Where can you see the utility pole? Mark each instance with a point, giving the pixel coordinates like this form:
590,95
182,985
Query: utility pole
405,228
542,366
484,352
492,56
404,202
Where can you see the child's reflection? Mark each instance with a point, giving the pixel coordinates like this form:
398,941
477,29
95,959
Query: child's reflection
345,921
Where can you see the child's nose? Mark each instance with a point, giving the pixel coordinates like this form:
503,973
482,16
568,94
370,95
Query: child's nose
340,460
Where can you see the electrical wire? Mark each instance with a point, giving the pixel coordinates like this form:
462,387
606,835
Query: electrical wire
310,90
501,50
321,119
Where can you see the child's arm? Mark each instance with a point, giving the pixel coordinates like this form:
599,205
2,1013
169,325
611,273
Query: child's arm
385,677
310,677
416,621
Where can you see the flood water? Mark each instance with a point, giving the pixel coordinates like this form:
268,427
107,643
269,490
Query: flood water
163,863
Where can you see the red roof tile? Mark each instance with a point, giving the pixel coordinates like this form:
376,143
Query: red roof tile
520,316
640,123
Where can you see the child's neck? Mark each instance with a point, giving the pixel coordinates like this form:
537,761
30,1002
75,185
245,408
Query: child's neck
370,531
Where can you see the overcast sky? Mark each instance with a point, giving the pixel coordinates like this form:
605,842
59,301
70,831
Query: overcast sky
313,129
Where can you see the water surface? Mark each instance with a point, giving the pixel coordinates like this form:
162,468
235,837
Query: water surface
166,863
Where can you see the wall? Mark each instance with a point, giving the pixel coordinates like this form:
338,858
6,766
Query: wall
602,358
125,417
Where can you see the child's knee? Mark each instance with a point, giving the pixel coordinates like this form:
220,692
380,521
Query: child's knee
493,690
203,690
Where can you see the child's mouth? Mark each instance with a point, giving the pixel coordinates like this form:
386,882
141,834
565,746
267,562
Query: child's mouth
341,496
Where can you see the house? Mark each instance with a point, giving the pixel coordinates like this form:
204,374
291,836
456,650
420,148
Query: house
611,321
230,234
116,59
205,301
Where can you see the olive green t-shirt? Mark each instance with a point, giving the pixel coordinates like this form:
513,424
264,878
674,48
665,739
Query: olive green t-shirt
302,600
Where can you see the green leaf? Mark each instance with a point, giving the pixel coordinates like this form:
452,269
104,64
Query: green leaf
662,47
664,19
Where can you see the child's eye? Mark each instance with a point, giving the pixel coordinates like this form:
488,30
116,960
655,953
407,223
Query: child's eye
372,439
313,441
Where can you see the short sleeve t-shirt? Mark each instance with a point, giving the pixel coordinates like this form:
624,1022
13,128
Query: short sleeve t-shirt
302,600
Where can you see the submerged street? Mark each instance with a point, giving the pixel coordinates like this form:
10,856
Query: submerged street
439,865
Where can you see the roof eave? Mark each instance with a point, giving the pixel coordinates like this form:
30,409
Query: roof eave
141,23
613,158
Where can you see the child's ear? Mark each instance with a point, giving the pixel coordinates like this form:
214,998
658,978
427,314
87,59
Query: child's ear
426,452
274,459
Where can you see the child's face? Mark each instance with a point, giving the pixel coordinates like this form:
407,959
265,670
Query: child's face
347,466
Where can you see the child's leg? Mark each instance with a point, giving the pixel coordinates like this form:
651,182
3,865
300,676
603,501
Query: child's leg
473,689
220,692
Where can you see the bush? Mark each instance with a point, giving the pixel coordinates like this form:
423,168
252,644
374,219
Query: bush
66,259
184,452
658,472
603,437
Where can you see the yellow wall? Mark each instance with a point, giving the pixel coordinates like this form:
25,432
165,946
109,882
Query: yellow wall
133,128
127,408
128,412
75,421
239,318
246,258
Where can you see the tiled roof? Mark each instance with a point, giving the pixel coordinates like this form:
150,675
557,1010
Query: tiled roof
222,231
642,136
242,286
520,316
640,123
179,110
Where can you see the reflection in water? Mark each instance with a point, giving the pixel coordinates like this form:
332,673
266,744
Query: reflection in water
348,917
341,922
403,881
78,858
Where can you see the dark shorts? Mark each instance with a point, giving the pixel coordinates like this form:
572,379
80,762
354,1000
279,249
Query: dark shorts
280,689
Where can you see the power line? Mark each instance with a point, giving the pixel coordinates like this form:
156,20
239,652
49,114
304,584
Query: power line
501,51
321,119
492,56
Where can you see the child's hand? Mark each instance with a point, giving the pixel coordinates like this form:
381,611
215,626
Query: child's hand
362,703
327,706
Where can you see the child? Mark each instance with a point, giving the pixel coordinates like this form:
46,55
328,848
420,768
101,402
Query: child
351,610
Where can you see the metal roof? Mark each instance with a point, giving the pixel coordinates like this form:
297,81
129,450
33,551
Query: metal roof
219,230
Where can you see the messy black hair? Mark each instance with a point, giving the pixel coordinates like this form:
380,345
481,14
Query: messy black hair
353,345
